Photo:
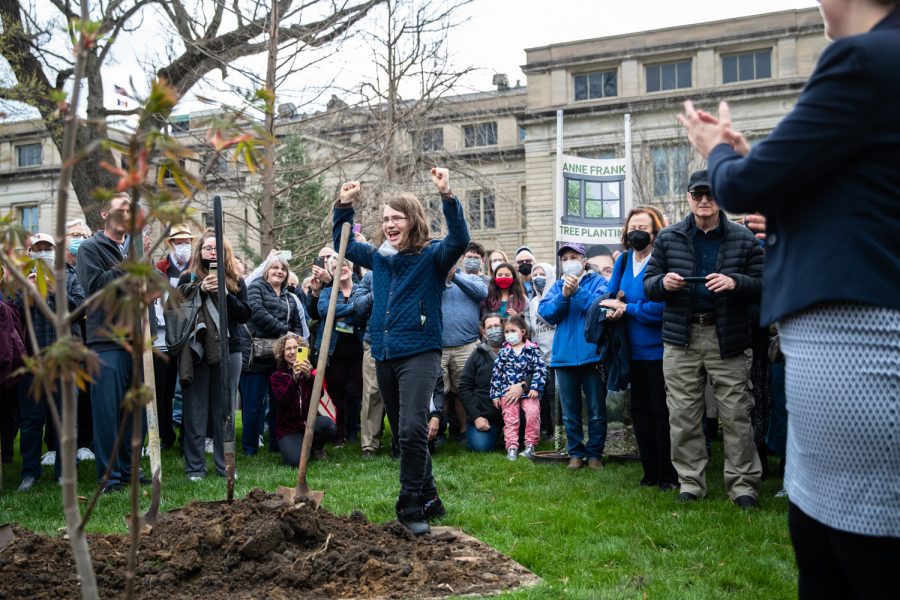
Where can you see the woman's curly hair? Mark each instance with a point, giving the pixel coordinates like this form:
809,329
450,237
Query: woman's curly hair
280,343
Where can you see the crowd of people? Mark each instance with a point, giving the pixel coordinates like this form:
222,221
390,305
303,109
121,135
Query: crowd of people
450,342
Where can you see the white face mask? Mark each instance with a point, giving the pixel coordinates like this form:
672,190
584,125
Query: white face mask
182,253
513,338
572,267
387,250
48,256
495,264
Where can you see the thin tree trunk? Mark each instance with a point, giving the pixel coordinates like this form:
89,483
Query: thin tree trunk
267,237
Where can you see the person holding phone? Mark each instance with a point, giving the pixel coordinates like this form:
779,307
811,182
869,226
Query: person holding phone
204,397
706,330
409,274
291,389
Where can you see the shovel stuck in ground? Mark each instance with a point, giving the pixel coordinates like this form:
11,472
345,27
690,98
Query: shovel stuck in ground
301,491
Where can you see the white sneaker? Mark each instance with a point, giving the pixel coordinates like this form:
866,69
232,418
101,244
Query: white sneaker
85,454
528,452
209,445
145,451
782,493
49,458
512,454
261,442
195,478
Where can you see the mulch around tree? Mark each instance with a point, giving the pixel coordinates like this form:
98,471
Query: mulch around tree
264,547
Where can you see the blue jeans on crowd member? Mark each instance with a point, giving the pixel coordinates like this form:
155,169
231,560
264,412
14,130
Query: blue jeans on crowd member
483,441
33,416
107,392
571,382
254,387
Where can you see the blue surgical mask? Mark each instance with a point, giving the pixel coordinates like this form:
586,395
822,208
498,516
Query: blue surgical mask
73,245
539,282
494,335
513,338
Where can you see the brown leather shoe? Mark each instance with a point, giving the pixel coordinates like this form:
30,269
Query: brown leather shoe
595,463
575,463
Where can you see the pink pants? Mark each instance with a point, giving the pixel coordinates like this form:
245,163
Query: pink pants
532,408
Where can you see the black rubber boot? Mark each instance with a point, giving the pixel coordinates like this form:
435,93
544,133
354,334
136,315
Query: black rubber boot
433,508
411,515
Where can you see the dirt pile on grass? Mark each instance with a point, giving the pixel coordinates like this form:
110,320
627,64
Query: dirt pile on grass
264,547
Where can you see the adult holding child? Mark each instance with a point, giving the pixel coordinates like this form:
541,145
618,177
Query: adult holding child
829,172
409,275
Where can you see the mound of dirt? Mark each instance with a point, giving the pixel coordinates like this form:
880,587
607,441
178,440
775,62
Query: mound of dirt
265,547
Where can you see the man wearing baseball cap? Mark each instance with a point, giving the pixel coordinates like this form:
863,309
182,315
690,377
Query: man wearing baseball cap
708,271
575,361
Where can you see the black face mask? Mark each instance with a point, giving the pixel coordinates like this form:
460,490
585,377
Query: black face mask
206,262
292,289
638,239
525,269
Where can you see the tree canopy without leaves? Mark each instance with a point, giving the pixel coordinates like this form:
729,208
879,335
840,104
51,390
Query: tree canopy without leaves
208,35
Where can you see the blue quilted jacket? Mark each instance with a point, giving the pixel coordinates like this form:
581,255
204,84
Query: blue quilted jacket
406,312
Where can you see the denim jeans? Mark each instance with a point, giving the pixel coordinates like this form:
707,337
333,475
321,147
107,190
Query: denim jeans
33,416
571,383
407,385
107,392
254,388
482,441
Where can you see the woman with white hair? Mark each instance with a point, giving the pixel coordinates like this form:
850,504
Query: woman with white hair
273,313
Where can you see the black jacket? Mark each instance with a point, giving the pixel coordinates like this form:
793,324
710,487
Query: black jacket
740,257
828,181
269,312
475,386
238,307
98,264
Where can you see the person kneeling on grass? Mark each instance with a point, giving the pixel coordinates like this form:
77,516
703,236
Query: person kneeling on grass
519,361
291,391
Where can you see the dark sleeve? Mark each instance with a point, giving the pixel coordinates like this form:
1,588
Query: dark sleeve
312,307
359,253
748,283
466,387
296,320
74,290
449,249
238,308
92,273
615,280
655,272
823,133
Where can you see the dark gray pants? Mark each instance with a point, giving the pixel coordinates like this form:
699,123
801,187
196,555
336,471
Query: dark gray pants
202,399
289,446
406,385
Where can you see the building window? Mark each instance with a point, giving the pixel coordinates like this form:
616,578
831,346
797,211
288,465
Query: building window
668,76
670,170
747,66
480,134
481,210
432,140
208,220
29,155
591,86
435,213
180,124
594,200
522,134
28,217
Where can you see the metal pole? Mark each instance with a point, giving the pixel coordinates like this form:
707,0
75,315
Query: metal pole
224,375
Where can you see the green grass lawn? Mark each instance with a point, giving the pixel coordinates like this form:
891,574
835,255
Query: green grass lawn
587,534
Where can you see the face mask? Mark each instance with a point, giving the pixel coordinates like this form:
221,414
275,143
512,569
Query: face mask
386,250
504,282
513,338
539,282
525,269
182,253
496,264
206,262
73,245
572,267
292,289
472,265
494,335
48,256
638,239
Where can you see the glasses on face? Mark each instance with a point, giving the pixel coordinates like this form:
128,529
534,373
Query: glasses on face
76,236
208,248
697,195
525,261
393,220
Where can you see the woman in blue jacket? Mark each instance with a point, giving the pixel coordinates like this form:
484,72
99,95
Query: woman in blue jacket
827,179
644,329
409,272
575,360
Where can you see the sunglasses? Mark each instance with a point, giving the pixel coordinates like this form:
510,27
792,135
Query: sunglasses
698,195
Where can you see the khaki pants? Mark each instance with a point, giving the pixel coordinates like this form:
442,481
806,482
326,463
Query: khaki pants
686,370
453,359
372,414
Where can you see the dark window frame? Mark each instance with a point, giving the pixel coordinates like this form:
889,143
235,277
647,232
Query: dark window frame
432,140
657,75
584,85
481,134
21,153
749,65
481,210
580,217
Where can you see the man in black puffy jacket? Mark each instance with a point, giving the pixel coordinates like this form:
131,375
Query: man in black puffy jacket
708,272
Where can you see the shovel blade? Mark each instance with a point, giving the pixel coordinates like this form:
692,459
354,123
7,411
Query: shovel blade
291,494
6,535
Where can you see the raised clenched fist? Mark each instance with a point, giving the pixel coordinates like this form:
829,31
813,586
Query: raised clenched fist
349,191
441,179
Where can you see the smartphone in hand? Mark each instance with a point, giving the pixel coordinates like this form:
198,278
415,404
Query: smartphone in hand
319,262
302,354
